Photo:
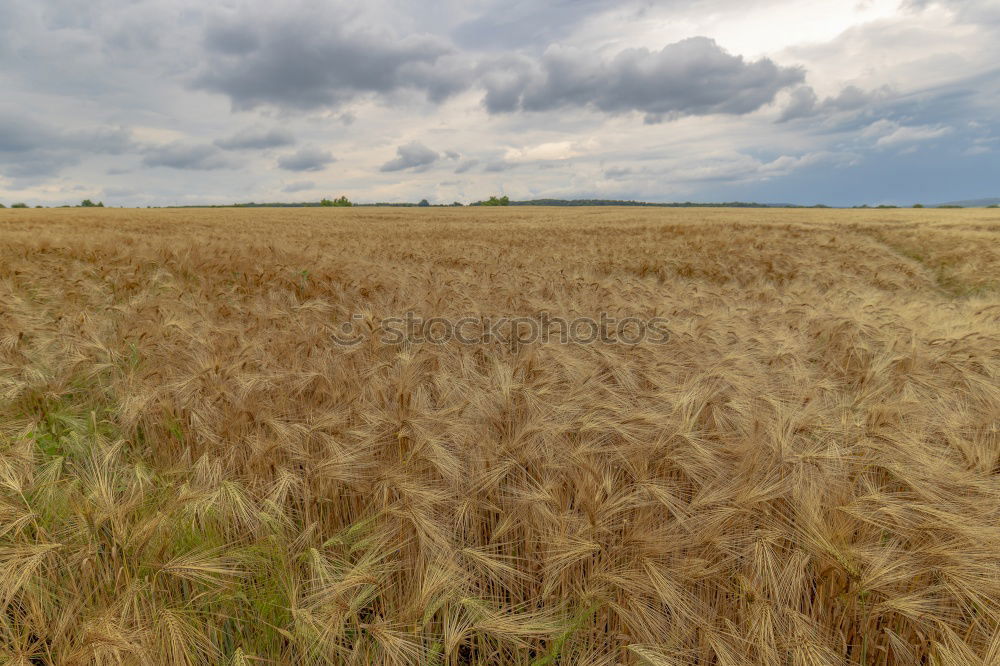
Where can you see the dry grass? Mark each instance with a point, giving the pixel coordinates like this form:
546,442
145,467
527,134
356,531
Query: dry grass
192,472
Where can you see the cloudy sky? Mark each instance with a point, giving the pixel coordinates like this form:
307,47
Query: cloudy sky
150,102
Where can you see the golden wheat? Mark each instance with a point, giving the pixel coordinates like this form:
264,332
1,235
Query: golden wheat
193,472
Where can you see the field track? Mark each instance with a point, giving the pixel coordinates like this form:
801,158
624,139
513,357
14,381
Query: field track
193,471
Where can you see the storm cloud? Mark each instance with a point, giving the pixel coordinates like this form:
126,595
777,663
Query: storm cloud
804,103
318,60
692,77
29,148
21,134
303,64
180,101
413,155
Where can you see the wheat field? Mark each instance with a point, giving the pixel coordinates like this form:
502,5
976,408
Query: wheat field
193,471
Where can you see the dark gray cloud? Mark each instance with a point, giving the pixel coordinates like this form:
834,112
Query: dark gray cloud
20,133
805,103
188,156
691,77
802,104
306,159
92,91
256,139
37,165
308,62
231,38
30,149
314,59
413,155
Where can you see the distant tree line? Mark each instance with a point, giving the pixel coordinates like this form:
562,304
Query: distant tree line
86,203
493,201
505,200
618,202
323,203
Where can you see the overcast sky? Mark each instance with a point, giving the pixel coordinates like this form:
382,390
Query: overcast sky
149,102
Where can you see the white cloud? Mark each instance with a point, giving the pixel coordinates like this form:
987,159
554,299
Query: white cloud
556,150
